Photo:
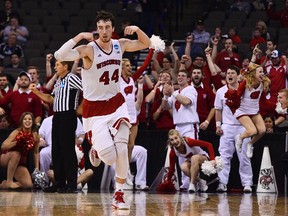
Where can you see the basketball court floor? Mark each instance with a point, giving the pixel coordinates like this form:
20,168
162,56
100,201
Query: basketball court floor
142,203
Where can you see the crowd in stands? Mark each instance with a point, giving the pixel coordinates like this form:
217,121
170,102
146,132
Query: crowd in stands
204,62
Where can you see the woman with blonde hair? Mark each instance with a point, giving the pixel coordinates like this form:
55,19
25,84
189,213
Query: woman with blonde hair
190,149
263,29
251,90
14,152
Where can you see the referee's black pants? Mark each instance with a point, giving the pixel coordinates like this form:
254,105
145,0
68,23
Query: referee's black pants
64,157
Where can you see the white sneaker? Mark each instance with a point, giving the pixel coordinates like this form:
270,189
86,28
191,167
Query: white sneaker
93,157
130,179
247,189
221,188
192,188
128,187
118,201
249,151
142,187
202,184
238,143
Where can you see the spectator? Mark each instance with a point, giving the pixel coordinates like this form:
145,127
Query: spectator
277,72
269,124
281,15
15,150
265,60
218,33
262,27
161,118
15,62
227,56
232,33
4,85
194,47
22,100
227,127
167,64
10,47
258,5
200,35
8,12
21,32
256,39
4,122
45,133
211,78
205,104
183,102
241,5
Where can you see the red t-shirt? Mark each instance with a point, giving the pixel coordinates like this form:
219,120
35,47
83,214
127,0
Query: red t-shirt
21,102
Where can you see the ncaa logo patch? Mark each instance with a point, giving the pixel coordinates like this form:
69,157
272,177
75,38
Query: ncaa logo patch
116,46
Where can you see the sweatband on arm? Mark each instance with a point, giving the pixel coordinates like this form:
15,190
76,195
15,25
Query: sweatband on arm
66,52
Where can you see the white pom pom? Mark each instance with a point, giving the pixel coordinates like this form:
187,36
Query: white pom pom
279,109
157,43
219,163
208,168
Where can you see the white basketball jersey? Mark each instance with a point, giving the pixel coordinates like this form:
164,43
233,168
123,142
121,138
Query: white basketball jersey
101,81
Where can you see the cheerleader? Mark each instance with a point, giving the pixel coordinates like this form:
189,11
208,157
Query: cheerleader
194,156
251,90
14,152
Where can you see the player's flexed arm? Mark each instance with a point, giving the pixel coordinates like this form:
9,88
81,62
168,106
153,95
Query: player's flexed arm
142,42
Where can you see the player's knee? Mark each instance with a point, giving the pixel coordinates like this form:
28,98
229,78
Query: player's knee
108,155
122,135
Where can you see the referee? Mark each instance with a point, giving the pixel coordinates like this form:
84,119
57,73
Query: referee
64,98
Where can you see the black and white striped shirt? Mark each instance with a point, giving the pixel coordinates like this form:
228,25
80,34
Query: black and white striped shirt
66,93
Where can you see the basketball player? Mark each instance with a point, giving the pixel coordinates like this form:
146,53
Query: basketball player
105,115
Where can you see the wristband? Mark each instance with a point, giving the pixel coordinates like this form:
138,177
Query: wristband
218,123
80,139
174,94
140,85
165,98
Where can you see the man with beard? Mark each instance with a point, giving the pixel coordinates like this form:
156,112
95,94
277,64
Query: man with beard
22,100
205,104
4,85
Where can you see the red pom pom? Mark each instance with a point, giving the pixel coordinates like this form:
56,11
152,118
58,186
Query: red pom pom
233,100
166,186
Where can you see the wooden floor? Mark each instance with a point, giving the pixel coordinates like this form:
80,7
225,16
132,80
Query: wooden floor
142,203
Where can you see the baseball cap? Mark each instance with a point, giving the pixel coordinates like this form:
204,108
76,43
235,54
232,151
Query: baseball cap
26,74
199,22
276,54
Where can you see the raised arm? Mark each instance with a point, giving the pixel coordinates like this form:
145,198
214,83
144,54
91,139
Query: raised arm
142,42
67,53
45,97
